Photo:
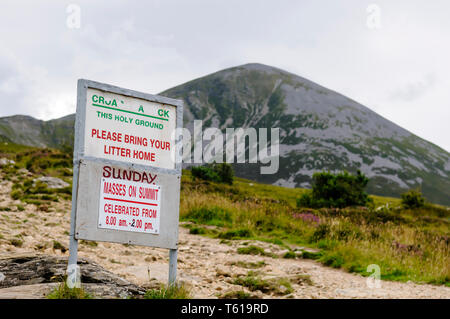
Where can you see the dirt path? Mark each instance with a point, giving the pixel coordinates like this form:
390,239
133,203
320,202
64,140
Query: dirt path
208,266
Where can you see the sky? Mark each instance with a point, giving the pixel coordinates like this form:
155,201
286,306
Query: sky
391,56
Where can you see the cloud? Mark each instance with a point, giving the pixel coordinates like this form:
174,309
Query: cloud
154,45
414,90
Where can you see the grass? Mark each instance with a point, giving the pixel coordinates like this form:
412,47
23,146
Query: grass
177,291
254,250
88,242
16,242
350,238
238,294
251,265
407,244
62,291
239,233
59,246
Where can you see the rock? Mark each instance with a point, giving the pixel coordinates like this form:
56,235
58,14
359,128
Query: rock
153,283
24,171
4,161
52,182
283,289
36,270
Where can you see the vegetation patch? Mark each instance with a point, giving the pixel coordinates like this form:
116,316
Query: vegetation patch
62,291
290,255
413,199
16,242
59,246
236,234
220,173
254,250
238,294
336,190
249,265
407,241
276,286
176,291
311,255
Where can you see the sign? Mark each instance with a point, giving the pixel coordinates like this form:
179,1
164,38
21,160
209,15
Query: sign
129,129
120,181
129,206
127,170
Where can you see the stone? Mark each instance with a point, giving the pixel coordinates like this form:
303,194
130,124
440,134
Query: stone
4,161
52,182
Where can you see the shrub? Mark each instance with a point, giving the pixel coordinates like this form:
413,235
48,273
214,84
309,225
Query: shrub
413,199
205,173
336,190
16,242
212,216
305,200
225,172
197,231
216,172
311,255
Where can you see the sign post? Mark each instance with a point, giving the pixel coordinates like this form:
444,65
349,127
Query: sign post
126,171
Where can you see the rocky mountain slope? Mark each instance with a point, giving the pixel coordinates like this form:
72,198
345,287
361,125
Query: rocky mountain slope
26,130
319,130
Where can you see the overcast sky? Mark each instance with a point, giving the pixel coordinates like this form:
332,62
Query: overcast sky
393,57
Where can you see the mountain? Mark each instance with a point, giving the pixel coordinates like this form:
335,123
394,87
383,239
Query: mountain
26,130
319,130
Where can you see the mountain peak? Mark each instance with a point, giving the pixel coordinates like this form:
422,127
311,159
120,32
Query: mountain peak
319,130
260,67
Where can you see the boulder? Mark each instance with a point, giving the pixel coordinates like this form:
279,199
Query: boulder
52,182
37,270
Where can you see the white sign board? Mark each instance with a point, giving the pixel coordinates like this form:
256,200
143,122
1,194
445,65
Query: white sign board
126,173
129,129
129,206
